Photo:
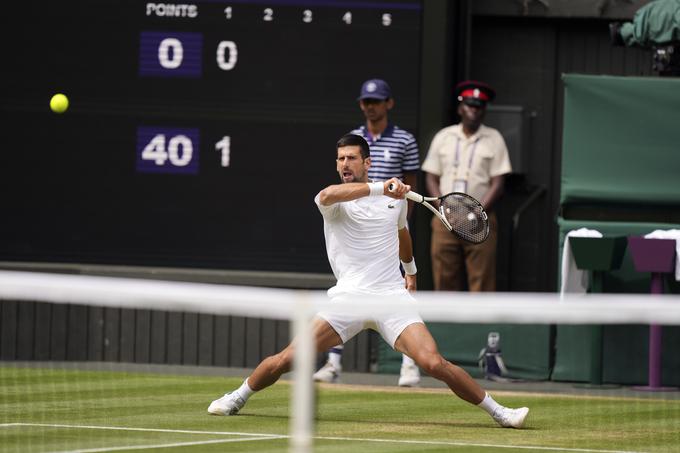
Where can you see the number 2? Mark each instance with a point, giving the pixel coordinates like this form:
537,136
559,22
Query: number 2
268,15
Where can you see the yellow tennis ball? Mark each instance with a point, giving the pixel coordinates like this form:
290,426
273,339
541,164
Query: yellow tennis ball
59,103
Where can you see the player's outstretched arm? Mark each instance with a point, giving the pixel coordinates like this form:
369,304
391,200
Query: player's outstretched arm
338,193
407,259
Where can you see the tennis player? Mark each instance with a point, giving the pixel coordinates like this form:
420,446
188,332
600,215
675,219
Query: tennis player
365,229
394,154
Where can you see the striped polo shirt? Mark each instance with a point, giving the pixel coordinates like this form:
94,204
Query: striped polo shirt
393,153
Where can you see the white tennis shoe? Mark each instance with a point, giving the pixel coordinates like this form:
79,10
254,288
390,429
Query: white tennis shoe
328,373
229,404
510,418
409,376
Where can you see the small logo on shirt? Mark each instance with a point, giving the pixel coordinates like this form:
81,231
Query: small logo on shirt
391,206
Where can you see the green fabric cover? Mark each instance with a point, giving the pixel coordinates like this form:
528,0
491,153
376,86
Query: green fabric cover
658,22
624,347
620,141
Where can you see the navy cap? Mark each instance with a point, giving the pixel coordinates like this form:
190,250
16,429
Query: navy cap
475,93
375,89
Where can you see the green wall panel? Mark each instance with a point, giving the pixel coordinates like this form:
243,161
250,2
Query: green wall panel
525,348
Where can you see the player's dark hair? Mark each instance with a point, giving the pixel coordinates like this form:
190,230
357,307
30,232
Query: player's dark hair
355,140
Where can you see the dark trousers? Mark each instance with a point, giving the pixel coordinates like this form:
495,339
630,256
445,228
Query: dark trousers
454,258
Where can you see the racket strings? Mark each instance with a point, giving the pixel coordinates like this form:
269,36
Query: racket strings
466,216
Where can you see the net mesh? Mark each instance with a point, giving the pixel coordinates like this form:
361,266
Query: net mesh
466,216
100,364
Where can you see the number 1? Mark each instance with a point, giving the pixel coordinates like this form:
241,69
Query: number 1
224,146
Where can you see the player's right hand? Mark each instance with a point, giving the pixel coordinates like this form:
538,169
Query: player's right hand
394,188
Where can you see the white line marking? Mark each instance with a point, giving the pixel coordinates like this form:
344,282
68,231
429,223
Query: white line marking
470,444
259,436
152,430
177,444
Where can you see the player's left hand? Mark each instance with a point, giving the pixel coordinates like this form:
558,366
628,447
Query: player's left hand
410,283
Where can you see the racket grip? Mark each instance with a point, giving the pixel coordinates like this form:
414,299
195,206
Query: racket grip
409,195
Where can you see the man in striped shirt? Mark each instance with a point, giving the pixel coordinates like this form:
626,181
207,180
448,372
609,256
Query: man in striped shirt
394,151
394,154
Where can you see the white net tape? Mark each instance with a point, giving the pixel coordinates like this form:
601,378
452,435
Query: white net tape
519,308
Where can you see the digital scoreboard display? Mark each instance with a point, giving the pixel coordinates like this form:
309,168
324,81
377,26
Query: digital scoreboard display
197,134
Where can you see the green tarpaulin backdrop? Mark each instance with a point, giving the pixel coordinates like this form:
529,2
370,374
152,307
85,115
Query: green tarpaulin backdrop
620,174
621,139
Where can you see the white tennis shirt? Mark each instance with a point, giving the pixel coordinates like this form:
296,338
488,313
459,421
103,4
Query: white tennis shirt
363,244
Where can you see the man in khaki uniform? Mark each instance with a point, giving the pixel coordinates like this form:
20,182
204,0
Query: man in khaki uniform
471,158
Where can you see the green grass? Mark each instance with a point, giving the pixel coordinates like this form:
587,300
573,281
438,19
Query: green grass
430,420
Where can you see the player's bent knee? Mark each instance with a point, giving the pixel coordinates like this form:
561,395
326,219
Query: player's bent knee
432,364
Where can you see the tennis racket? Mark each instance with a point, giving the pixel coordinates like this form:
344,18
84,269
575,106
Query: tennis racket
460,213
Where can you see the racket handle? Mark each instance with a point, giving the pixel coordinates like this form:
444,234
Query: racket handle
410,195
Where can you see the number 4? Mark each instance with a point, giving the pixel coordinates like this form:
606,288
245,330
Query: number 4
155,150
347,18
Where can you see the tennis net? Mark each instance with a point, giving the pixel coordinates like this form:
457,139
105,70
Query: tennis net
48,406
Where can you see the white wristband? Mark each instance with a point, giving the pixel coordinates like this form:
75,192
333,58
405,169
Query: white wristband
410,268
376,188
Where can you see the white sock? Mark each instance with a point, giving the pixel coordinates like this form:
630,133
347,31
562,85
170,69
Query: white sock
335,356
245,391
489,405
407,361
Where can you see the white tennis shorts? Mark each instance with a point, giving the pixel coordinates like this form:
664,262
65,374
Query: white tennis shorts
389,326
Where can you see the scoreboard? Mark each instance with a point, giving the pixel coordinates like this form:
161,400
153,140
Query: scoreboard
198,133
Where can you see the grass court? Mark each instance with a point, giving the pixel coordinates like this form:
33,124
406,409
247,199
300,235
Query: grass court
57,410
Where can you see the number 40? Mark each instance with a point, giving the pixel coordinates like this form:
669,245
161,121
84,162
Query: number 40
155,150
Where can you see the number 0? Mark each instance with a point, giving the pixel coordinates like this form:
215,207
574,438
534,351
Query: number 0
174,150
227,65
164,58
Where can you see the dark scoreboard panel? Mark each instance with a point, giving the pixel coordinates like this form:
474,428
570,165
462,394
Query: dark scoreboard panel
198,133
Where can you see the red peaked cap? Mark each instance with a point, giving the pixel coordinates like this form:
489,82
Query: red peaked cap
476,93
